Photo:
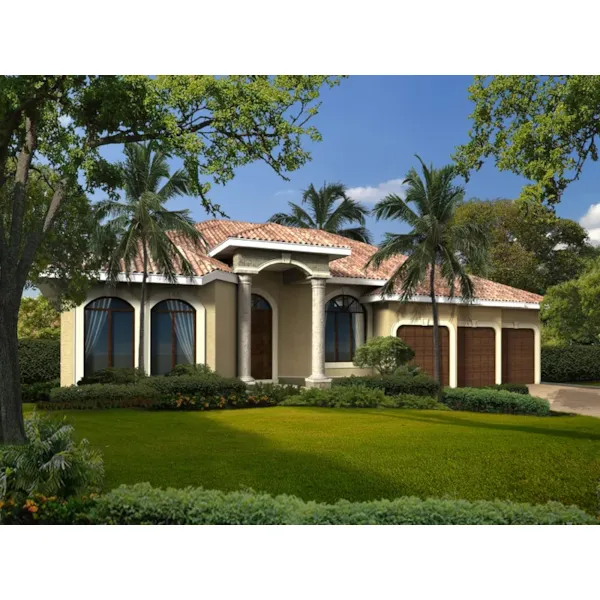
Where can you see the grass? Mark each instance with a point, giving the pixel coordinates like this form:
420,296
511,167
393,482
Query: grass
326,454
581,383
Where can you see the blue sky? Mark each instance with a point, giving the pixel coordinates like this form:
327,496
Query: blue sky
372,127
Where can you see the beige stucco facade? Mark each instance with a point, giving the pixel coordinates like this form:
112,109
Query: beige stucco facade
287,282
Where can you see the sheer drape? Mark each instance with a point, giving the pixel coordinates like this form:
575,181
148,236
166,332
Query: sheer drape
95,320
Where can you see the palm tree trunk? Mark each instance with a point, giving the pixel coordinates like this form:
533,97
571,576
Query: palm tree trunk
437,349
141,364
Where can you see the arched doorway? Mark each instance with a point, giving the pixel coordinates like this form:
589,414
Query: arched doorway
261,366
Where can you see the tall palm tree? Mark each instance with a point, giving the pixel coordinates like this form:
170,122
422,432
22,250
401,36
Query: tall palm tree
323,213
436,246
141,224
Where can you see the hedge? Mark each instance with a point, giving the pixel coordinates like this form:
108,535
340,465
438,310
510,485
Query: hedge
112,375
212,385
393,385
494,401
570,363
360,397
516,388
141,504
39,360
99,395
38,392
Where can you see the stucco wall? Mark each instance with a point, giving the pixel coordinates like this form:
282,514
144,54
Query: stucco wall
67,348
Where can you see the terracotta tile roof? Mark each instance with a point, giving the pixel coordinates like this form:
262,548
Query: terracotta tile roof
217,231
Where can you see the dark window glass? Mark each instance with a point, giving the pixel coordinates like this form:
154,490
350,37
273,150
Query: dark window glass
344,328
108,334
173,338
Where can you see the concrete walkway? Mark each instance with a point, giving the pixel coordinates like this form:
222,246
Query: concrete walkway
569,398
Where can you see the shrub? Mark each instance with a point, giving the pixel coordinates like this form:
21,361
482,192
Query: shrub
392,385
214,385
515,388
38,392
494,401
384,354
50,463
570,363
101,396
411,401
112,375
194,370
39,360
341,397
142,504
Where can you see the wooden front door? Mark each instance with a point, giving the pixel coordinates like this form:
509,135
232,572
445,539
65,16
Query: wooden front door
420,339
476,356
262,339
518,356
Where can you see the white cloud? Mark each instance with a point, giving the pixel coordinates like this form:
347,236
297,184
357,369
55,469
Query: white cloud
375,193
591,221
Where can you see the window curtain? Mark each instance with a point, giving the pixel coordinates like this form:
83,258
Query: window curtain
183,322
94,322
358,329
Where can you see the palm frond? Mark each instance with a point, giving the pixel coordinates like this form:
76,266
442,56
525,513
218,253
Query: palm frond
359,234
394,207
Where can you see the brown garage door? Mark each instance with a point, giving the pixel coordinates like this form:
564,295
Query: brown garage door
476,356
518,356
420,339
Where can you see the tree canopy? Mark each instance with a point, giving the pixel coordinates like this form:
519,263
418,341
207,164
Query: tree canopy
531,248
542,128
571,311
38,318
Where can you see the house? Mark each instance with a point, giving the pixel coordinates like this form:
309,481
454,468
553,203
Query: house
275,303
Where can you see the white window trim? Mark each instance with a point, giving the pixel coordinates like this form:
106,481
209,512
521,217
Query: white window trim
368,318
452,342
275,335
200,324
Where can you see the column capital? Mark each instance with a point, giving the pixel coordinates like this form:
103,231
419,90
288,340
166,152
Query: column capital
245,279
318,282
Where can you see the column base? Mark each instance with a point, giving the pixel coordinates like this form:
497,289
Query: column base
318,382
248,380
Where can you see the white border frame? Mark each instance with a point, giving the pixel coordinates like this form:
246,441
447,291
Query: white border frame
452,342
275,336
369,298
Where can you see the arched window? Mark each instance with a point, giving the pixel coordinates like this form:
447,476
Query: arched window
344,328
108,334
173,335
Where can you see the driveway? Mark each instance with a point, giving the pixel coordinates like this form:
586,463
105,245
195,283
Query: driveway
569,398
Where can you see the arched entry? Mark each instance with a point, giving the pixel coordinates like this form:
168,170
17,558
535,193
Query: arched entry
261,364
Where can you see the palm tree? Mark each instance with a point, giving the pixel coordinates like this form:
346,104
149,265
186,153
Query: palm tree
436,246
323,213
141,225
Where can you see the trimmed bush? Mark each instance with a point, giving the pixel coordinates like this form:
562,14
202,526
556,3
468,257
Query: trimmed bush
570,363
392,385
384,354
194,370
39,360
141,504
50,463
415,402
341,397
515,388
494,401
100,395
112,375
213,385
38,392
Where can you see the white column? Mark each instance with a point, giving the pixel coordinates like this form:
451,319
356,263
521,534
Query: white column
244,327
318,377
498,336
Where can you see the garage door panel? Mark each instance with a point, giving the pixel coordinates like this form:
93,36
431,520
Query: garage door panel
518,356
420,339
476,356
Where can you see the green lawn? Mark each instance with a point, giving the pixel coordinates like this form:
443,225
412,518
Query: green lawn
325,454
582,383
